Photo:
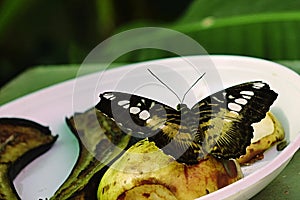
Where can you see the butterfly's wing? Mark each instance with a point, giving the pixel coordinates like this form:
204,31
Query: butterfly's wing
142,117
225,118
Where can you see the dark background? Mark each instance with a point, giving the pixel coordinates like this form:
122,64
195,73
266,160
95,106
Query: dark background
34,32
62,32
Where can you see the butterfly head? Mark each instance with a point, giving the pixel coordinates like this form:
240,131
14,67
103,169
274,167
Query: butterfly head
182,107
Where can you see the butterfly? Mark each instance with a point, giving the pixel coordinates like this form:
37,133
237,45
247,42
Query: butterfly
219,124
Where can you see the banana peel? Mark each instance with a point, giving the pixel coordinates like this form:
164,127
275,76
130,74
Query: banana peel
100,143
21,141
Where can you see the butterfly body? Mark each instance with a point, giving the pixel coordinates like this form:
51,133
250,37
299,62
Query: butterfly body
219,124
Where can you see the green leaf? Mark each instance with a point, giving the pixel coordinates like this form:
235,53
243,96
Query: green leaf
268,29
201,9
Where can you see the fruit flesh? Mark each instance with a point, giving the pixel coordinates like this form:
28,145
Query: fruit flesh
145,164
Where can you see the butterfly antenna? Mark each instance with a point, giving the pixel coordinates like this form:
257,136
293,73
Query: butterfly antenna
192,87
164,84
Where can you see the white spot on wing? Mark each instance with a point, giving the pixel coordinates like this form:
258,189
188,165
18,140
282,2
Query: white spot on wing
234,107
126,106
144,115
231,97
216,99
249,93
129,129
134,110
241,101
152,105
246,97
109,96
123,102
258,85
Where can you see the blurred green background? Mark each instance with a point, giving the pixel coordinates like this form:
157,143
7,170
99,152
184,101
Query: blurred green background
62,32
